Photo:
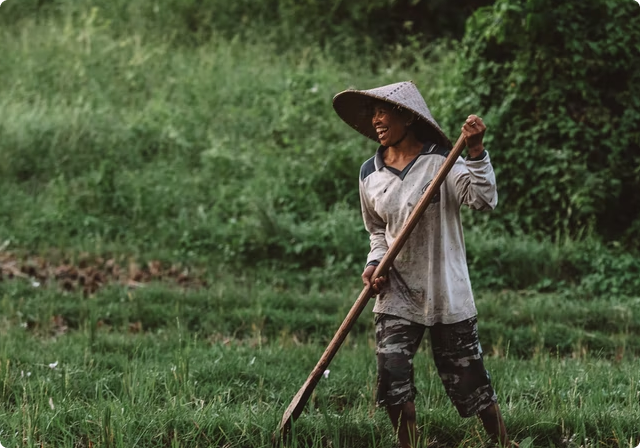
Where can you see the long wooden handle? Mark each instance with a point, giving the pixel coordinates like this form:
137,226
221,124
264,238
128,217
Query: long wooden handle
299,401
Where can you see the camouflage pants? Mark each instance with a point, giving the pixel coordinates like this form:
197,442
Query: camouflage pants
457,355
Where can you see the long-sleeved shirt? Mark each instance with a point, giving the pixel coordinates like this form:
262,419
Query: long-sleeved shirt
429,279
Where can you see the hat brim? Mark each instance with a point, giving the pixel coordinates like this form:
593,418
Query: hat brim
353,106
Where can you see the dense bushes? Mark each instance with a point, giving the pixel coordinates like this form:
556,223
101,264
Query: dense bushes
559,85
588,267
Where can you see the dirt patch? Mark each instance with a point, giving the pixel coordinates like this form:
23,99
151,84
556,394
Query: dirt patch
89,273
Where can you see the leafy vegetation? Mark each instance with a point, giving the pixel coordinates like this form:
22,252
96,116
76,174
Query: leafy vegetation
559,84
121,143
340,25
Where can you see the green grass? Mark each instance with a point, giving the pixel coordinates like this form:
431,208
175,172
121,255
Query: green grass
229,150
272,306
123,142
217,367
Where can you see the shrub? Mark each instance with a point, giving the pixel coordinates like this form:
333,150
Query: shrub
559,87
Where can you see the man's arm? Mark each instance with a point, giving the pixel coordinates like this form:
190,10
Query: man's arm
378,243
474,179
475,183
376,228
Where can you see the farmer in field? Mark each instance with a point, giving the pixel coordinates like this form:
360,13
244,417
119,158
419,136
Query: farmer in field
428,286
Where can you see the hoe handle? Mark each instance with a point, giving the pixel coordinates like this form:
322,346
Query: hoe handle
300,399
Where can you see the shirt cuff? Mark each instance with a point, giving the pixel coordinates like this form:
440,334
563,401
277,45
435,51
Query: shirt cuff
373,263
482,155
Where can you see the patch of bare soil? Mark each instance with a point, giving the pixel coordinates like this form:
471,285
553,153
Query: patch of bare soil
90,273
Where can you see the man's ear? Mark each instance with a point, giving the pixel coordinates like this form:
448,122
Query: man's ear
411,119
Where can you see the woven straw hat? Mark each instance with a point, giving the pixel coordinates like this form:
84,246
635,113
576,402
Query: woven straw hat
353,106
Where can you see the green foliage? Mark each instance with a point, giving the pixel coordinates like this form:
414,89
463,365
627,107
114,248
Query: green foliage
337,24
604,272
522,262
135,145
117,142
558,85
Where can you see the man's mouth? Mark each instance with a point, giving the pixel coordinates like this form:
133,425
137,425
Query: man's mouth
381,132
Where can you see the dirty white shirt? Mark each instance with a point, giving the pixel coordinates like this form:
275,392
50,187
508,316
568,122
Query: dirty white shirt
429,279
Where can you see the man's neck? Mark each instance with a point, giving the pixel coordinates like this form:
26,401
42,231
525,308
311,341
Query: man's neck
398,156
409,147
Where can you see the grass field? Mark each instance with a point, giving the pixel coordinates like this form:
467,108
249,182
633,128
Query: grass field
161,366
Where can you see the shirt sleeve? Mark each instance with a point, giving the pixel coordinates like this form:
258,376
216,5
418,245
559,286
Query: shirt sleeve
376,228
475,183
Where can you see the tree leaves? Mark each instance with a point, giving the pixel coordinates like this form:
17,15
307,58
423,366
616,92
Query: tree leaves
559,87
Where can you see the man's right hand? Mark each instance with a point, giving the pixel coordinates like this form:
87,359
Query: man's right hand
377,283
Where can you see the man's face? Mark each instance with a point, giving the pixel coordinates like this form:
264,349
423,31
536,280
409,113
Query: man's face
389,124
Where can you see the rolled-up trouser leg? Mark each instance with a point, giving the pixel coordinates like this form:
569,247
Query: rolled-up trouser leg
397,341
458,356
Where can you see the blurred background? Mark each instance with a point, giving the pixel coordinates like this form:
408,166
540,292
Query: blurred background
202,131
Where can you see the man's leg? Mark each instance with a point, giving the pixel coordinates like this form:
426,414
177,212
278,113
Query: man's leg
458,357
397,341
493,423
403,417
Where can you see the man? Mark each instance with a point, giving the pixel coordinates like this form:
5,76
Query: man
428,286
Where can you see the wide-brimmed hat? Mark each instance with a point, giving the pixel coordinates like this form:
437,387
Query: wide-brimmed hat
354,107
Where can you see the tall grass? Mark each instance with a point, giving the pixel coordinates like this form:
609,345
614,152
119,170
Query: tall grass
229,150
224,152
218,367
118,141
